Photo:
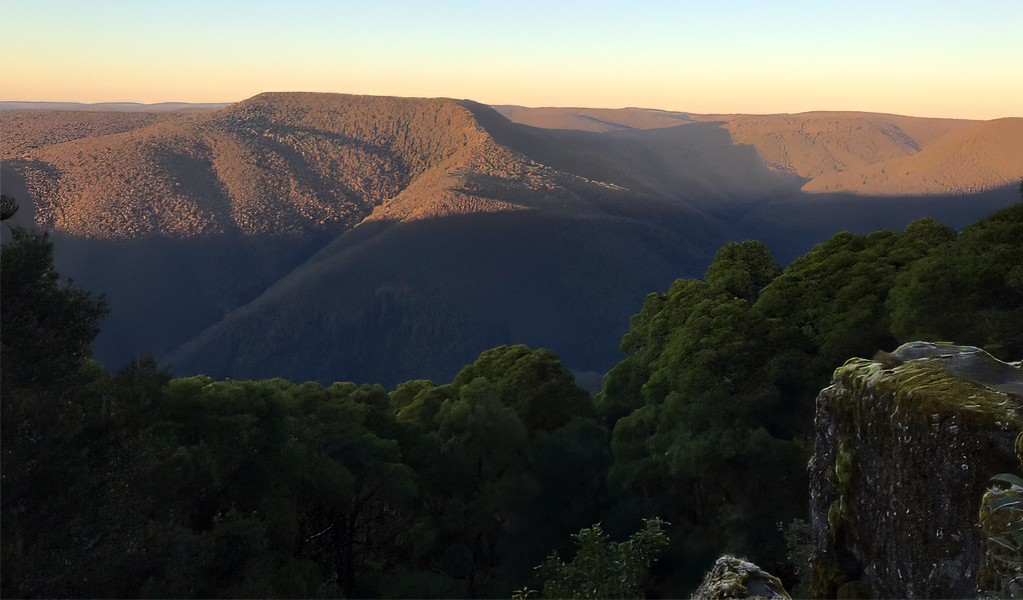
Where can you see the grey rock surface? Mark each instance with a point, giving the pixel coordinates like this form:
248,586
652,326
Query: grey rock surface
903,454
736,578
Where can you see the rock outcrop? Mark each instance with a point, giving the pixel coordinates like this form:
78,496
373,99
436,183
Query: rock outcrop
736,578
905,450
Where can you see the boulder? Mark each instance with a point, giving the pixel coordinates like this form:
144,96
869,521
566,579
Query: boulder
736,578
905,449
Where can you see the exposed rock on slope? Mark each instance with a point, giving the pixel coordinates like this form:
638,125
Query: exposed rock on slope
736,578
904,452
1001,518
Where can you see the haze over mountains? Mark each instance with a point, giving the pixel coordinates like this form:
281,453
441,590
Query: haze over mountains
336,237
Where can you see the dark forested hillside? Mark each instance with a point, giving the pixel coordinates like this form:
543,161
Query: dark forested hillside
431,295
713,405
137,484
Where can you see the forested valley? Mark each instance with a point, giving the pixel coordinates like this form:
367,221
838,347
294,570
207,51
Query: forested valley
136,484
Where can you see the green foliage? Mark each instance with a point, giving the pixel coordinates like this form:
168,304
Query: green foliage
509,441
837,292
742,269
970,291
721,406
298,467
47,327
712,403
533,383
1001,516
605,569
799,542
138,484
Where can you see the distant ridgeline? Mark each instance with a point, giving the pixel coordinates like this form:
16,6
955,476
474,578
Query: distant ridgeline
138,484
327,236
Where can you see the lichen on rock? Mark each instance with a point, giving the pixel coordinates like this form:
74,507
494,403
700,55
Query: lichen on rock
904,451
736,578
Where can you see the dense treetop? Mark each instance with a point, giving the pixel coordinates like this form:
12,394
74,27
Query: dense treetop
138,484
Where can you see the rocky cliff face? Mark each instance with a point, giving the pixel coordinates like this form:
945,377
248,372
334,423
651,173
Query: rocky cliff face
905,449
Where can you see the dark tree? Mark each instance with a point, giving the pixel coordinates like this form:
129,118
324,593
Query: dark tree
46,327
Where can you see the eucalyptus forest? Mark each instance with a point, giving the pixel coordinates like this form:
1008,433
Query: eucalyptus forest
508,479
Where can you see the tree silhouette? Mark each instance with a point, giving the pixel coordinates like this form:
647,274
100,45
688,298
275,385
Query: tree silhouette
47,328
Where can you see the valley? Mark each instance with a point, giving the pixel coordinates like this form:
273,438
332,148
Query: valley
332,237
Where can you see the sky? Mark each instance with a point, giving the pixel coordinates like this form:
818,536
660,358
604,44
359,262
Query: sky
934,58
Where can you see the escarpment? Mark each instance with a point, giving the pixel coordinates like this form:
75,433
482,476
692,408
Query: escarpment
904,452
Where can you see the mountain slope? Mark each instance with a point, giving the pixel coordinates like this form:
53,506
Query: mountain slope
328,236
387,302
988,154
293,163
593,119
276,163
813,144
22,131
868,153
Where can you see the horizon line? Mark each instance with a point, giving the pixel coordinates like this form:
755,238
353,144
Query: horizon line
224,104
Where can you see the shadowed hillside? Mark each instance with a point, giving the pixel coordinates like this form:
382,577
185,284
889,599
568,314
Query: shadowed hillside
328,236
388,300
868,153
695,163
594,119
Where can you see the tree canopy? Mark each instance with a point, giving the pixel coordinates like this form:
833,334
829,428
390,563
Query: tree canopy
134,483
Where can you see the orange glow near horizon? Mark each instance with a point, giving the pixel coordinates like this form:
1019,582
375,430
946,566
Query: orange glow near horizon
754,60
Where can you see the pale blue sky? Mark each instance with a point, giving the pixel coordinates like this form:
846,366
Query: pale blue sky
936,58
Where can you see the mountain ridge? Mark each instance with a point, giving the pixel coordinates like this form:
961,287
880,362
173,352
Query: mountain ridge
330,237
282,163
295,162
835,150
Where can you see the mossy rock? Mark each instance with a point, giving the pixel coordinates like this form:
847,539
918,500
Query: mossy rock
905,448
733,577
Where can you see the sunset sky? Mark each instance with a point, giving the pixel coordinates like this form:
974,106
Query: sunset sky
926,58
